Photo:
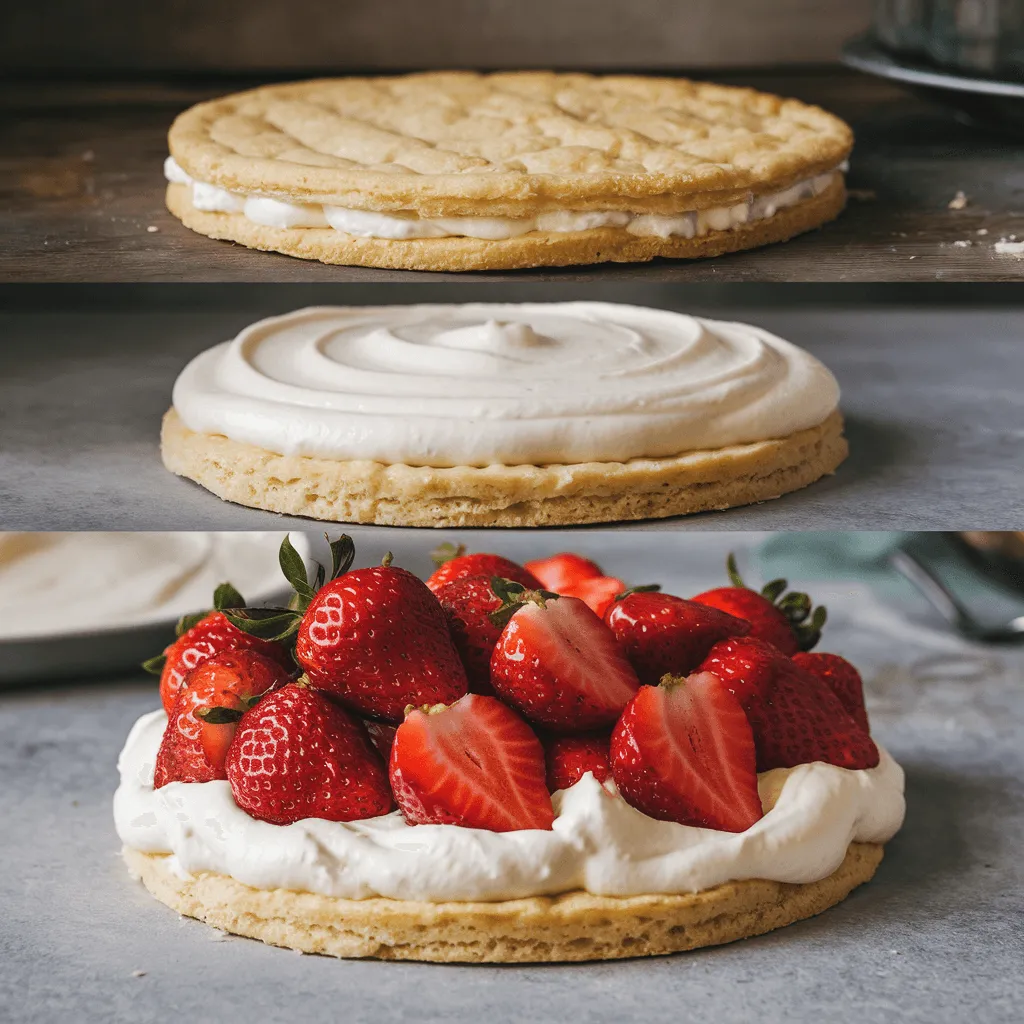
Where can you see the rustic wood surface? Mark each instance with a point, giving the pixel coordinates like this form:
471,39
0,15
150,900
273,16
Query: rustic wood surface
82,188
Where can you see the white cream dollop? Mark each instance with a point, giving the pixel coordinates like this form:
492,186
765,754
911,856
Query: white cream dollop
282,213
509,384
599,843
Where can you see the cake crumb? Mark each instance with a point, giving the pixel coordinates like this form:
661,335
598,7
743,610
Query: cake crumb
138,974
152,228
863,195
958,202
1008,247
981,231
962,243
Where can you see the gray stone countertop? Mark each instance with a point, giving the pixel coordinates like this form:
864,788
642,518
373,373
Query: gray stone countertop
938,936
932,399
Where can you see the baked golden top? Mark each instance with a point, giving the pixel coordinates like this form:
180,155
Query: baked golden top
509,144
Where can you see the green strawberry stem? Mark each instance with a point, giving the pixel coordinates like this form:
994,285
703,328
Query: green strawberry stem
513,596
446,552
805,620
646,588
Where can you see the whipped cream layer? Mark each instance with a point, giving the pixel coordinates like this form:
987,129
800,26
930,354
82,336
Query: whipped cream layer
599,843
278,213
509,384
60,583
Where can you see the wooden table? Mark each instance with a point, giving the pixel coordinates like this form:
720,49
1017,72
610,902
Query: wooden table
82,188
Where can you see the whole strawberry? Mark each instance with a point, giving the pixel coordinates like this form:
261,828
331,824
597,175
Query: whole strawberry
661,634
562,572
683,751
377,640
468,603
597,592
454,564
382,735
200,637
841,678
560,665
786,620
569,758
297,755
795,719
475,764
206,712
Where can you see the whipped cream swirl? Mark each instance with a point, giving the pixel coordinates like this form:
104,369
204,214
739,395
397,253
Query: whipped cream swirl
281,213
509,384
599,843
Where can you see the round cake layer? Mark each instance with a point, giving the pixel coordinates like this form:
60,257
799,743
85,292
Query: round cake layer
533,249
510,144
506,496
484,384
571,927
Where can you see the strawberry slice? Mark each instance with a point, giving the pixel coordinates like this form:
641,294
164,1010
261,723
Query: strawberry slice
795,719
563,571
454,564
206,712
841,678
474,763
298,755
683,751
662,634
569,758
560,665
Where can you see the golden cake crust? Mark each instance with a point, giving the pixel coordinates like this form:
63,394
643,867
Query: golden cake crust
534,249
572,926
507,144
507,496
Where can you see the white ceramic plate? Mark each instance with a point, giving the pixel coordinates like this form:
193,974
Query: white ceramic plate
182,571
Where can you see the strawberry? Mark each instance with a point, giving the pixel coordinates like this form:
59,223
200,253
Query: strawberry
475,763
377,640
453,564
683,751
205,715
202,636
569,758
468,603
786,620
563,571
298,755
382,735
663,634
841,678
795,719
596,592
559,664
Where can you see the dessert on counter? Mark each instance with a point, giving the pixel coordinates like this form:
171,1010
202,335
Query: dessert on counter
504,763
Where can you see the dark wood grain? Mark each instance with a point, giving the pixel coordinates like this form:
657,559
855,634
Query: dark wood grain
82,189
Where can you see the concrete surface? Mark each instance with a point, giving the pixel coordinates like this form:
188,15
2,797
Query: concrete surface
932,399
937,937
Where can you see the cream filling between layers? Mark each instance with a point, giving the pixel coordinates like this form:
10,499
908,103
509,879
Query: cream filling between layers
501,384
277,213
599,843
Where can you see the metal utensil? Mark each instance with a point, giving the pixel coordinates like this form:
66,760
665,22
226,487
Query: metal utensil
949,607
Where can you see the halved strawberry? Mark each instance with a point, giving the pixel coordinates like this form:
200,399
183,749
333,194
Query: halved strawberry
206,712
468,603
569,758
474,763
596,592
298,755
683,751
841,677
795,719
454,564
563,571
560,665
789,621
663,634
